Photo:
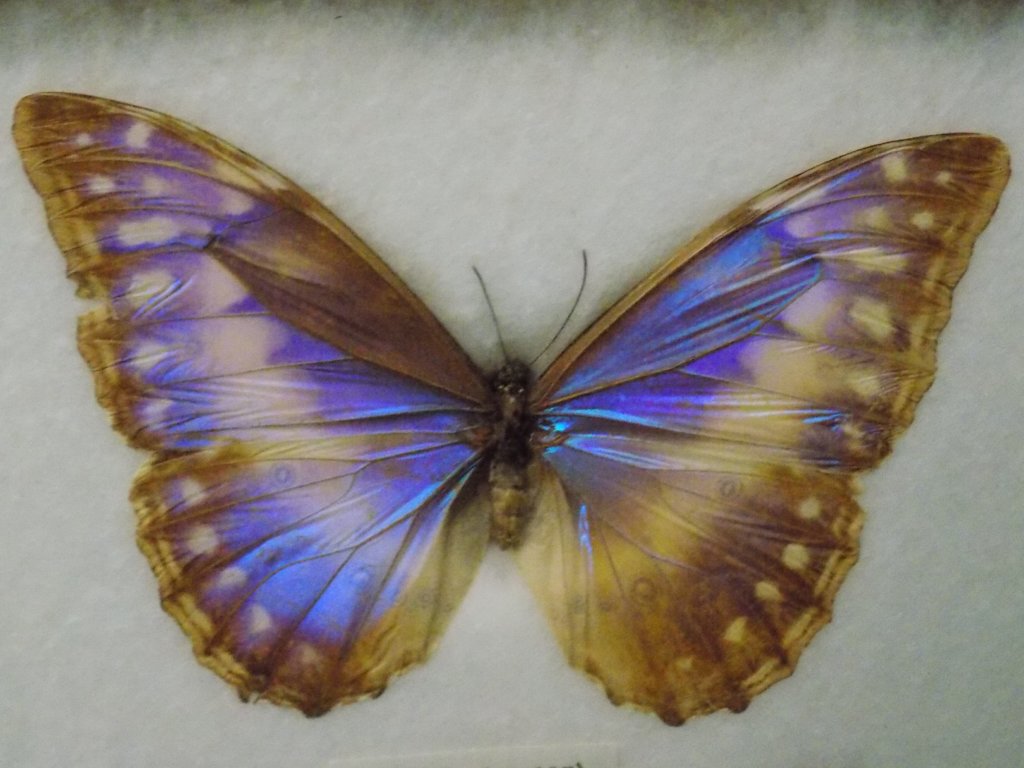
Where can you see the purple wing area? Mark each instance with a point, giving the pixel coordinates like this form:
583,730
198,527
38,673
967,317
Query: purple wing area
185,357
722,295
312,572
310,507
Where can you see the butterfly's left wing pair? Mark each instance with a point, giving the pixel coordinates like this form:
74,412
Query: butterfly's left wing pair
308,507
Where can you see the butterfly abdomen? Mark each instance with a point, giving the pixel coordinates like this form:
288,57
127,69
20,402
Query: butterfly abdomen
511,497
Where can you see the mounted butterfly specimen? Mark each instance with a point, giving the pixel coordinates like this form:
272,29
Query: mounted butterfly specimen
327,466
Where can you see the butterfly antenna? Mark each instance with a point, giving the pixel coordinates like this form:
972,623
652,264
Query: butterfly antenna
494,316
568,317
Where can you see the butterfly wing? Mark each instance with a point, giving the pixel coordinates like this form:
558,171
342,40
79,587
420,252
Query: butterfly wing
697,510
309,507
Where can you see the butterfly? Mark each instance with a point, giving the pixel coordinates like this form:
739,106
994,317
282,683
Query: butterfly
327,466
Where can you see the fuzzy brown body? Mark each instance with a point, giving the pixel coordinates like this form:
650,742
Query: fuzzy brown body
510,489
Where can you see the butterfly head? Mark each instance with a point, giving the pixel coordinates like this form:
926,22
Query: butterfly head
510,387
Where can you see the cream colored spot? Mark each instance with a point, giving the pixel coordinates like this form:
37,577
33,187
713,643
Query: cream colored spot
235,203
865,383
736,631
219,289
767,591
876,217
943,177
202,539
192,491
803,225
100,185
810,508
137,136
923,219
795,557
873,317
232,576
147,356
877,259
308,655
792,368
249,345
894,167
155,229
812,313
146,286
155,413
83,140
154,186
259,620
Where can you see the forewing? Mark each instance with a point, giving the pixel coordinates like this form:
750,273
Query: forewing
703,513
309,507
887,230
122,183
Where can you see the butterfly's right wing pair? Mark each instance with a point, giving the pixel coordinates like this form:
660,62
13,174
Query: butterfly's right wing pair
696,512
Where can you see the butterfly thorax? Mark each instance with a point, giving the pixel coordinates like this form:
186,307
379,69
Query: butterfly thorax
513,425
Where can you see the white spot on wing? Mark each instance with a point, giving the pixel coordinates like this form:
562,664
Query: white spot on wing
308,655
235,203
812,313
736,630
865,382
259,620
943,177
894,167
154,186
137,136
876,217
809,508
795,557
767,591
146,356
873,317
923,219
100,185
219,288
803,225
192,491
144,287
232,576
202,539
154,230
82,139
